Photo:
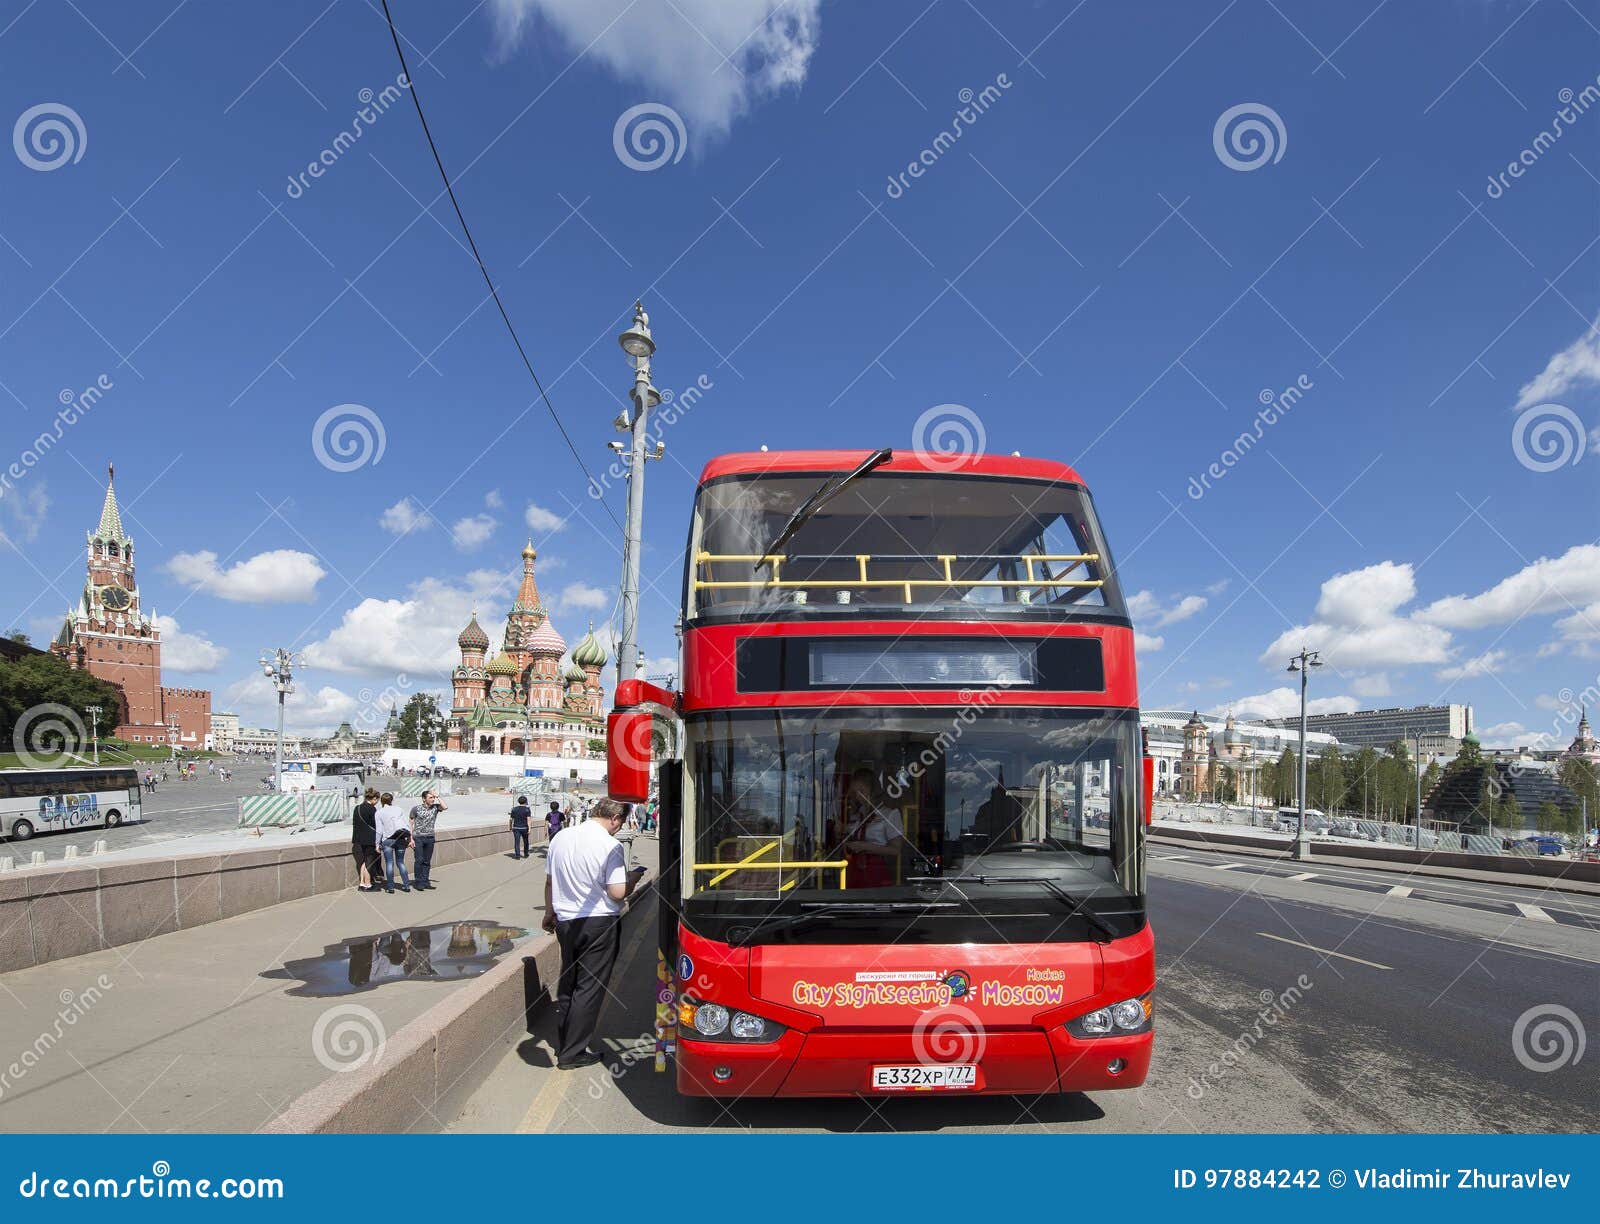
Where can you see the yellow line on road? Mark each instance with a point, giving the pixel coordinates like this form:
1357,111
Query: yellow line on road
1324,951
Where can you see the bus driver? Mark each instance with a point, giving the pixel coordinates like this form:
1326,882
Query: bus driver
874,836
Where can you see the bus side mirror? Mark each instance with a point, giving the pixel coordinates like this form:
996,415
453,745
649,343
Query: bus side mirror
1149,788
628,755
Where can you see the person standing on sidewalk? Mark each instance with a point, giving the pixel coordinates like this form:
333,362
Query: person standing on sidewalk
521,814
364,842
554,821
586,881
423,817
394,835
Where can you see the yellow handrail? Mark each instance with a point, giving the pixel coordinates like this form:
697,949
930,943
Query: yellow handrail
862,560
727,869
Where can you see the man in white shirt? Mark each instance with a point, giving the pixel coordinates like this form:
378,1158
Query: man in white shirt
586,880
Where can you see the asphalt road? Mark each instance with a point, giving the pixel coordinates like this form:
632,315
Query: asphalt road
1403,1019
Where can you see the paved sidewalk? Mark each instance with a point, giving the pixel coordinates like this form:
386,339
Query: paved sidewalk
183,1032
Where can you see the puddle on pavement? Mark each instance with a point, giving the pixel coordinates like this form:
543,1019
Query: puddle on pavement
448,952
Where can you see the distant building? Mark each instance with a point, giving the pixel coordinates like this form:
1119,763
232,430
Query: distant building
522,700
1186,745
224,727
107,634
259,740
1585,747
1442,727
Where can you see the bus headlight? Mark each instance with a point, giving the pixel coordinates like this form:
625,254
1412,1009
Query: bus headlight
1121,1018
714,1022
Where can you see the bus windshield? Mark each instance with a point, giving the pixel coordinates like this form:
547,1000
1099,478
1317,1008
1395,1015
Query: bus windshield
893,539
975,806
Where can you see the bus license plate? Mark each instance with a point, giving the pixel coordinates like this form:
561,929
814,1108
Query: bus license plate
923,1078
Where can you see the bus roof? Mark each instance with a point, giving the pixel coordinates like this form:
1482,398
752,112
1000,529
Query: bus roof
68,769
749,463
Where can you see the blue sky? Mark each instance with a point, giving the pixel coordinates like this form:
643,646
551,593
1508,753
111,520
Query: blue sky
1095,270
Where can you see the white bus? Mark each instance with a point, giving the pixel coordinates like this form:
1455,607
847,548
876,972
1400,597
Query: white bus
51,800
342,775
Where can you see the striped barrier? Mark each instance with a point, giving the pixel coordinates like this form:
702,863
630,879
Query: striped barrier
324,807
269,811
414,788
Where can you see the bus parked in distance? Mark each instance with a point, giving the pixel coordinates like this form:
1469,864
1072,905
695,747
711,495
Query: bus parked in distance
343,775
51,800
904,848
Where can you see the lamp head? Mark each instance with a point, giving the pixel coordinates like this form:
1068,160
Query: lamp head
636,341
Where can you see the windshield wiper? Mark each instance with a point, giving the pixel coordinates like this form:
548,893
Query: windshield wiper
1076,904
829,489
818,911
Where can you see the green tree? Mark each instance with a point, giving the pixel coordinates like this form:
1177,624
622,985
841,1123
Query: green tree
1330,779
1508,812
1287,777
421,722
35,681
1548,819
1365,779
1580,777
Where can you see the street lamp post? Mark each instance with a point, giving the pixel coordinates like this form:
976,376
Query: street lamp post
638,344
1419,791
279,668
173,731
1302,663
94,716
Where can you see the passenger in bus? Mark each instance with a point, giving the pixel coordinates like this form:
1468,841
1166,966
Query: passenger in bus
874,838
999,819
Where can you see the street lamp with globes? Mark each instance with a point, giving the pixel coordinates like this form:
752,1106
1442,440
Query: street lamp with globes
1302,663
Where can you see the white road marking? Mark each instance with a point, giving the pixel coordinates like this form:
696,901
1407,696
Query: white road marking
1324,951
1304,875
1222,866
1400,890
1532,911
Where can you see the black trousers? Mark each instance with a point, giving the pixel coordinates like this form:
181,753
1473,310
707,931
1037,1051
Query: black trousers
589,948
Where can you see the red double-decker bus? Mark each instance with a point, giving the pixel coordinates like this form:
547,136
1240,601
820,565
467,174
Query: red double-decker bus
903,849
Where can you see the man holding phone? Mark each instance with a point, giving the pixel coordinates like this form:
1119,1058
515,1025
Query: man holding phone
586,881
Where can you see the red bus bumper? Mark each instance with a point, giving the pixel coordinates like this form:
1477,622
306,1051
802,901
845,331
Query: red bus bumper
836,1064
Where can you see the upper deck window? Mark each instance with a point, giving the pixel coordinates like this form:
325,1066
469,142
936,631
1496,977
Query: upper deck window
896,541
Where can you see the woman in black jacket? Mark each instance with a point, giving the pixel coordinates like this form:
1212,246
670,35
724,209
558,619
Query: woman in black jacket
364,840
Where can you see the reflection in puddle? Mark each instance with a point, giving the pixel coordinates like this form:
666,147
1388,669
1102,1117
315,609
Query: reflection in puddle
451,951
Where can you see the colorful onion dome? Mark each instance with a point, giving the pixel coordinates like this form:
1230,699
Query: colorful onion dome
589,652
574,673
545,640
473,637
502,665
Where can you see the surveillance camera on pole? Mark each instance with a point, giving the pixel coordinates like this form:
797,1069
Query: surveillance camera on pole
1302,663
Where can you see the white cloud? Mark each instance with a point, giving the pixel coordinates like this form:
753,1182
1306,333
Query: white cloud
1550,584
404,517
1147,607
1485,664
493,500
582,595
1148,641
280,576
1578,363
541,520
710,59
1506,735
26,510
186,652
1376,685
413,637
1582,626
1284,702
1357,623
472,532
309,711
